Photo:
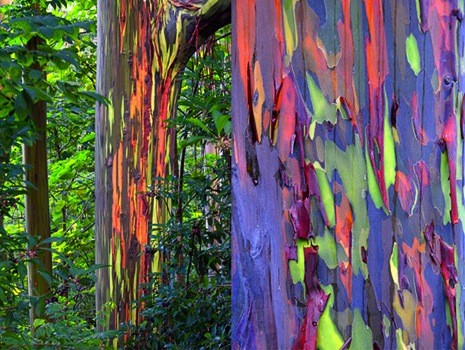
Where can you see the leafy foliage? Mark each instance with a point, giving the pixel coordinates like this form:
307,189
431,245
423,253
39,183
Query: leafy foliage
63,77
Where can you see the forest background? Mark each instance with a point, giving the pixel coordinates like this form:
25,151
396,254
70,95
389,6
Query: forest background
48,58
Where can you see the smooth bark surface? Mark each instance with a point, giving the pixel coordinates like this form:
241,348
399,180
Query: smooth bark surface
348,174
142,46
36,208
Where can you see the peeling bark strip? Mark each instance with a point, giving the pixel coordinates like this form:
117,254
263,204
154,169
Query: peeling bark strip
142,47
351,234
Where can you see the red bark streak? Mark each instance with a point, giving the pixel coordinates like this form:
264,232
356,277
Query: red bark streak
377,62
159,127
420,133
307,337
346,64
344,222
405,192
422,173
279,43
425,297
122,23
245,37
286,105
377,71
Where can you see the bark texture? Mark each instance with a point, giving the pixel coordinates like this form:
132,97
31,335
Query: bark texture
142,46
348,174
36,208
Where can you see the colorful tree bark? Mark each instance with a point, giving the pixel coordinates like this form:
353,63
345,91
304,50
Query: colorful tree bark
143,45
348,174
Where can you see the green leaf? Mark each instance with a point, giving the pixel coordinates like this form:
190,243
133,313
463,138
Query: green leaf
35,75
97,97
46,276
21,106
221,120
197,122
190,141
111,334
39,322
95,267
47,32
67,56
53,240
33,94
88,137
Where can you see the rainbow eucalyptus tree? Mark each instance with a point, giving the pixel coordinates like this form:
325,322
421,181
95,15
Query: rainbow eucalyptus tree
348,174
142,47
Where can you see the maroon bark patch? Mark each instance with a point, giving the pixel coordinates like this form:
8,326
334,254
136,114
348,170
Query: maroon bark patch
300,218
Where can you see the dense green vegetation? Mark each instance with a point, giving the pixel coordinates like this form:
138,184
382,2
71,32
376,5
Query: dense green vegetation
188,304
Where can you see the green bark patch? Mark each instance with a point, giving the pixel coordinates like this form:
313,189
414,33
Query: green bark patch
351,167
413,54
297,267
327,197
322,109
328,337
445,187
290,28
327,249
362,336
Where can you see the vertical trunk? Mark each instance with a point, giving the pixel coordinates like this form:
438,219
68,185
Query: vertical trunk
4,157
347,174
143,45
36,210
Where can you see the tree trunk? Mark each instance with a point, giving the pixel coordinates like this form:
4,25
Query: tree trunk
347,174
4,159
36,210
142,46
